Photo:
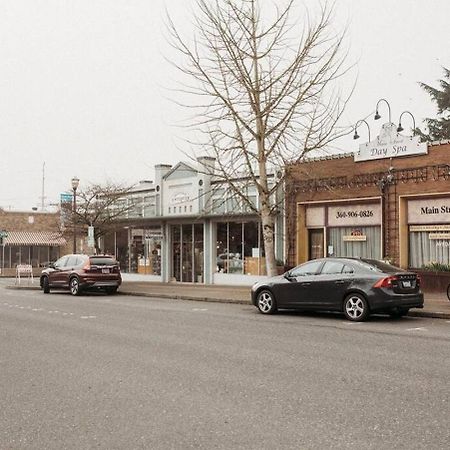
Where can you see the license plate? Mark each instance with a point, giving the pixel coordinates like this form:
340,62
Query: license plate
406,284
107,271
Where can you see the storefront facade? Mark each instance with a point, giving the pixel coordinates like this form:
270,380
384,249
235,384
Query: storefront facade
194,231
393,206
30,237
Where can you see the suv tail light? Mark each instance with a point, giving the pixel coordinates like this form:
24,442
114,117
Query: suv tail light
385,282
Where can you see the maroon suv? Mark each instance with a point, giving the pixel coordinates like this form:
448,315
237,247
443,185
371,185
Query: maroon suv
82,272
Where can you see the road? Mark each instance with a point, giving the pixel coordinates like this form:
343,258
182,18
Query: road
133,373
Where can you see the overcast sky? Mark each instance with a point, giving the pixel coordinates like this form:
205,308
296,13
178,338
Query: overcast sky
83,84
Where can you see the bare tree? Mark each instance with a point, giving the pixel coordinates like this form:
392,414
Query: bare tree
102,207
267,94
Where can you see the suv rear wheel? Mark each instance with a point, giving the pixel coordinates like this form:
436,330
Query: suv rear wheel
75,286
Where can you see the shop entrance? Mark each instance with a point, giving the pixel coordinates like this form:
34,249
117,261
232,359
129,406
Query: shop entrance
187,253
316,246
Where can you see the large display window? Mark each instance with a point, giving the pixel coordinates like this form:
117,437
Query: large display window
429,231
239,248
363,242
429,244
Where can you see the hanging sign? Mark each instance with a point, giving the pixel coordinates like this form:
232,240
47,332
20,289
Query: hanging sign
390,144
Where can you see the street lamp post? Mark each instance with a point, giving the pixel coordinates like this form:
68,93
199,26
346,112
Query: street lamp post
75,184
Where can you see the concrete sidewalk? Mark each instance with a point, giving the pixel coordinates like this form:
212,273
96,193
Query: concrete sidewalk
436,304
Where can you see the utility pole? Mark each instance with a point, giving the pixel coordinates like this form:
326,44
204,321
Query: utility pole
43,188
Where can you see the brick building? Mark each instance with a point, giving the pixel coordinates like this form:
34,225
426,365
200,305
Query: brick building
32,237
391,206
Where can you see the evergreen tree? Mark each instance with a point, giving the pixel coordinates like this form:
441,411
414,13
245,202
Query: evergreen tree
439,128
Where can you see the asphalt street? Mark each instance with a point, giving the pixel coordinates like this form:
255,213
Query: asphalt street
124,372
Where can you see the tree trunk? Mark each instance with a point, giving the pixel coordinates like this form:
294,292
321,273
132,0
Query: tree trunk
268,226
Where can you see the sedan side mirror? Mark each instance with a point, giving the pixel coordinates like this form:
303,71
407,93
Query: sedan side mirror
288,276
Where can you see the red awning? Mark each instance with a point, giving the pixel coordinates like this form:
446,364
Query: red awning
46,238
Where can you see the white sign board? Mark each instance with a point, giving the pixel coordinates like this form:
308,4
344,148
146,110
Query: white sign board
315,216
390,144
429,211
354,215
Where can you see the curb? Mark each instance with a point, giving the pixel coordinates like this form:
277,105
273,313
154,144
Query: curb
23,288
416,313
187,298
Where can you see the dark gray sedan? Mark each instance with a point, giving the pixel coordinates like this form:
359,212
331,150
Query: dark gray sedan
355,286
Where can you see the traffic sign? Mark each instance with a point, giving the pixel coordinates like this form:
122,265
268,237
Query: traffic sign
66,198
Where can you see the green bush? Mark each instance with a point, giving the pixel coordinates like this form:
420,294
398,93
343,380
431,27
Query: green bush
436,267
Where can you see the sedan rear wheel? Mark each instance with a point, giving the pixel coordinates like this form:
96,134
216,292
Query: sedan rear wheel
75,286
356,308
266,302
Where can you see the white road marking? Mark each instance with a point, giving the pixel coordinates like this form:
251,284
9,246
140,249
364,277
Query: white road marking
48,312
199,309
416,329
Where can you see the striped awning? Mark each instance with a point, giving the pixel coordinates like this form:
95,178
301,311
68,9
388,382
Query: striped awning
47,238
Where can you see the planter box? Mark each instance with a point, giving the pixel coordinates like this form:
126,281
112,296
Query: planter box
433,281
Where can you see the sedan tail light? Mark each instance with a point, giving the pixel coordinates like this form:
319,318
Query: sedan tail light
418,280
385,282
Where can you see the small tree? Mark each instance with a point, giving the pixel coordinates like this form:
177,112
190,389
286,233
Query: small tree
438,129
266,94
102,207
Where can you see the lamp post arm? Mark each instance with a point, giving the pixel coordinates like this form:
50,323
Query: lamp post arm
389,107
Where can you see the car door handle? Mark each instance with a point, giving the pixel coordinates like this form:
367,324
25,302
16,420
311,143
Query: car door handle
339,282
305,284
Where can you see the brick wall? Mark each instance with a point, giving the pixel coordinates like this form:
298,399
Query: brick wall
29,221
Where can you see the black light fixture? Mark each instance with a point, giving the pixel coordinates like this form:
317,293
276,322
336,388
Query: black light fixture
377,114
356,135
400,128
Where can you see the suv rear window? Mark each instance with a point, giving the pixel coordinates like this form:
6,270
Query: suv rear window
103,261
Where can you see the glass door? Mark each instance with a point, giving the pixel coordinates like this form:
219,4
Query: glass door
187,253
316,246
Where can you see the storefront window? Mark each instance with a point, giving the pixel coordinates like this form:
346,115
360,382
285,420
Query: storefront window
364,242
427,247
239,248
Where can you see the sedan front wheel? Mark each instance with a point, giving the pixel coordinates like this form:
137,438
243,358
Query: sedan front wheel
356,308
266,302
